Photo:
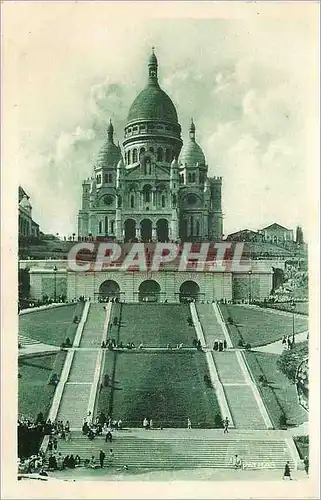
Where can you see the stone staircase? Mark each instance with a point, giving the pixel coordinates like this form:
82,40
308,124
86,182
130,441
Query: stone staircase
228,367
239,390
167,452
27,341
209,324
244,408
92,333
74,403
80,389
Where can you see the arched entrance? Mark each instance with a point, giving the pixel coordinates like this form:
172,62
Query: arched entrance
162,230
109,288
146,230
130,229
149,291
189,290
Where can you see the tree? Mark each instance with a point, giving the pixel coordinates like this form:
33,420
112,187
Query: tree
290,360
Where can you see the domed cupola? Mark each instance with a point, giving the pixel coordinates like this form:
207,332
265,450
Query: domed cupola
192,153
152,123
152,102
109,154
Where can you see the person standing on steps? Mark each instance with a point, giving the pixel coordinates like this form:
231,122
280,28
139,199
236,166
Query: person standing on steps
226,424
189,423
287,471
101,458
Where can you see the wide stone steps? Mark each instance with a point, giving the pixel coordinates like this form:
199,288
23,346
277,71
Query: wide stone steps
74,404
228,367
26,341
83,366
93,329
211,328
182,453
243,406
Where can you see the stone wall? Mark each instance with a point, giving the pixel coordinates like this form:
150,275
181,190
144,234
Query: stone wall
254,287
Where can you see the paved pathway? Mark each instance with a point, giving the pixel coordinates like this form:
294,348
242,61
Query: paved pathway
277,347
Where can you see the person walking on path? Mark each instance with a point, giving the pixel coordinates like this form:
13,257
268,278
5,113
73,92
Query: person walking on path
287,471
101,458
145,423
189,424
226,424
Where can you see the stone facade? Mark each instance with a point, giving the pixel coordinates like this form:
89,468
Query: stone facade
152,189
275,233
131,286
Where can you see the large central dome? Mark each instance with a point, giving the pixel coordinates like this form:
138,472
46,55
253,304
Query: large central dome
152,103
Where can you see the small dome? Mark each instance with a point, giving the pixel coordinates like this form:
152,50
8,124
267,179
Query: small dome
152,103
25,203
109,154
192,153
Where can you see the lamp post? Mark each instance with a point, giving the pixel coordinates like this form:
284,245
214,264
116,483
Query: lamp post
250,291
55,269
293,305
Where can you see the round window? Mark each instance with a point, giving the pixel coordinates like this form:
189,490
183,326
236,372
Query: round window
108,200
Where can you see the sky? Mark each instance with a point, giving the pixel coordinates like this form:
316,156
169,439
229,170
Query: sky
249,82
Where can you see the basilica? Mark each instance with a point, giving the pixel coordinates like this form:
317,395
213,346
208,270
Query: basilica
154,188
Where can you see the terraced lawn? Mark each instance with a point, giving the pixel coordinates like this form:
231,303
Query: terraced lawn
35,394
156,324
279,395
51,326
167,387
259,326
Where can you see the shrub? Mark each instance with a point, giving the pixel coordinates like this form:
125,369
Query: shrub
218,420
240,343
248,346
283,422
230,320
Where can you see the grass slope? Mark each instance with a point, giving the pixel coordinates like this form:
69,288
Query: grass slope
51,326
35,395
280,395
167,387
259,327
156,324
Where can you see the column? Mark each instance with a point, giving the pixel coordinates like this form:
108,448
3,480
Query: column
119,233
154,233
137,231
